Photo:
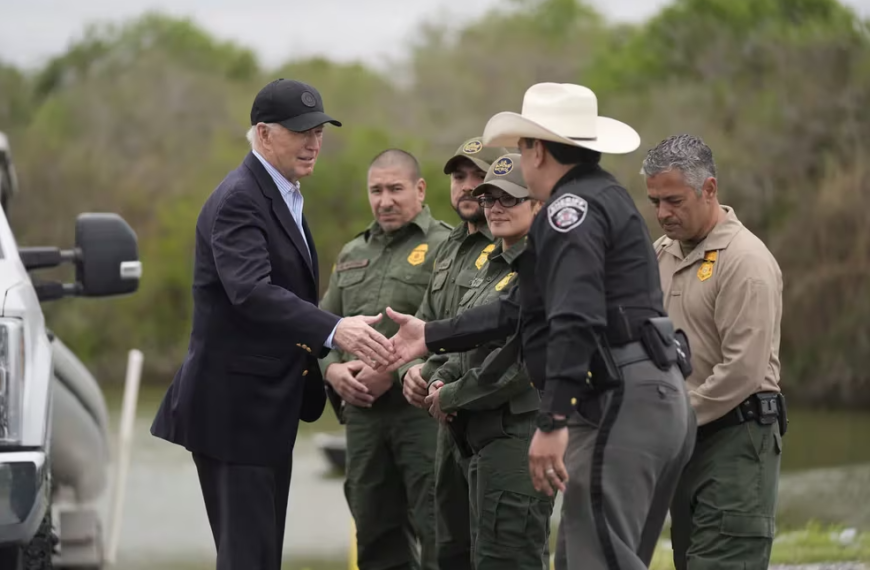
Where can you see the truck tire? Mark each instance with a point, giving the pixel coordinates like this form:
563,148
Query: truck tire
35,555
38,553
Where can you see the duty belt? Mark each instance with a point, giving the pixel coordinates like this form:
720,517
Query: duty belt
762,407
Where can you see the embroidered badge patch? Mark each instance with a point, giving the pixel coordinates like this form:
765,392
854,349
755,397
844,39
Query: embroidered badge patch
308,99
706,270
473,147
418,255
504,282
503,166
484,256
567,212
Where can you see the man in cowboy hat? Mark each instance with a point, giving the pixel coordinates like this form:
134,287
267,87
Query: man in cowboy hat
588,318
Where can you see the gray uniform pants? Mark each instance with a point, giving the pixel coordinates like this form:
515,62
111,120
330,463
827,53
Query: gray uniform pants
626,450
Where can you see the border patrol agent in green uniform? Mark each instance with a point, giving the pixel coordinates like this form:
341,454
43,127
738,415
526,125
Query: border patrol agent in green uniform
390,444
456,264
510,519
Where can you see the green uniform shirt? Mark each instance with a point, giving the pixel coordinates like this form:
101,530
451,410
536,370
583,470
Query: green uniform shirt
460,372
456,263
378,269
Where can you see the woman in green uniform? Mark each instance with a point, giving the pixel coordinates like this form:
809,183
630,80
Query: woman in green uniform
495,420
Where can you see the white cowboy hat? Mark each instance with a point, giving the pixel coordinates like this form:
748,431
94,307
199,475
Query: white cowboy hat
563,113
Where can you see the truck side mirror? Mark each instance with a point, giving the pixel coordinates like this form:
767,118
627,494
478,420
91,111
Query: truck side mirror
108,261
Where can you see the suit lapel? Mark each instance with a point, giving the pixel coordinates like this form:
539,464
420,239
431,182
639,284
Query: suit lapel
280,208
315,265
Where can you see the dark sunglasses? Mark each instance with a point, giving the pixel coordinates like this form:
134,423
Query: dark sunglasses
506,200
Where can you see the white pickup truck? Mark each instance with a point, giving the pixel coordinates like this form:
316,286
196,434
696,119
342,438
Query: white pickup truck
53,420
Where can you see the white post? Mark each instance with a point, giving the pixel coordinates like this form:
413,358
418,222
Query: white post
125,443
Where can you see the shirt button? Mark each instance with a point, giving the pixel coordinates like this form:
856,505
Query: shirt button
573,401
442,350
305,373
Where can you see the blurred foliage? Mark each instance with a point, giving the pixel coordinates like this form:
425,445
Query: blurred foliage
147,117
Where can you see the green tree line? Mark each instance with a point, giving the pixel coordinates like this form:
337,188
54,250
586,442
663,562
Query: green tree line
145,118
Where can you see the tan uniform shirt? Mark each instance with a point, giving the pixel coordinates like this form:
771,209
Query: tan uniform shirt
726,295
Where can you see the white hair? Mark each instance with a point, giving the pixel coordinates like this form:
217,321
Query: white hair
252,137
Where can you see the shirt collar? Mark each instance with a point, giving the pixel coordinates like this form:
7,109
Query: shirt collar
718,238
511,253
284,185
460,232
423,220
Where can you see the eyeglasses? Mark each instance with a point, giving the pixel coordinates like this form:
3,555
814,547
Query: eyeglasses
506,200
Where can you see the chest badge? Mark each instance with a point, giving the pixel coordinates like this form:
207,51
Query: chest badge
706,270
418,255
484,255
504,282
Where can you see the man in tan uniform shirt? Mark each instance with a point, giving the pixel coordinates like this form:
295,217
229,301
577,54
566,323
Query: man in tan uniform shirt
723,287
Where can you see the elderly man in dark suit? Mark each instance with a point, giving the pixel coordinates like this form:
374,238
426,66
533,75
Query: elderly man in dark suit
251,370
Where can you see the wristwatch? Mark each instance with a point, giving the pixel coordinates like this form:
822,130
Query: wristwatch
547,423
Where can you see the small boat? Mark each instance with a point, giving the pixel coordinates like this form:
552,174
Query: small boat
334,448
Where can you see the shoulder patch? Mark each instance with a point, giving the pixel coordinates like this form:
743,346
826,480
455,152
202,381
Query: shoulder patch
567,212
355,264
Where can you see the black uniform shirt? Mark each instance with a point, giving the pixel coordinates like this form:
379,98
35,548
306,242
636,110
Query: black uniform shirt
589,266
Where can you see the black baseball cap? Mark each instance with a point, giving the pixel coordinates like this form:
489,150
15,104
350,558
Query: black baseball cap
294,105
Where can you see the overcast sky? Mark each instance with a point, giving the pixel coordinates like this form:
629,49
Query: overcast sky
33,30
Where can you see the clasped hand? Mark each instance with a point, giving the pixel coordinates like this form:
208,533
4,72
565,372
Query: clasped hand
356,336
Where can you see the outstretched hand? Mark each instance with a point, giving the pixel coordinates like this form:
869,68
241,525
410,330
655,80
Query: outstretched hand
407,344
356,336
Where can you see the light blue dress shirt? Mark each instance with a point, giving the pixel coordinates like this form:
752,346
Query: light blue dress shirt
293,198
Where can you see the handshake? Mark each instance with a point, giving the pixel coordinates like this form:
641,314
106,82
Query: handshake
361,382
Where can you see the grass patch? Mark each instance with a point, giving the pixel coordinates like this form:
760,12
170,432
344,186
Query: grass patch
812,544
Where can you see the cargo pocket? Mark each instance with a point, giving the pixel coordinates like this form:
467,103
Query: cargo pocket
747,526
512,522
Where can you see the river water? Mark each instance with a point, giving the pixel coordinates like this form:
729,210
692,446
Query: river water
825,477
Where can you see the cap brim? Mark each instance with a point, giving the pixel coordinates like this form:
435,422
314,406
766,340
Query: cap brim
614,137
451,165
308,121
514,190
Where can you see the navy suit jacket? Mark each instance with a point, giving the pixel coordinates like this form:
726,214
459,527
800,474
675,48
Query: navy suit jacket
251,370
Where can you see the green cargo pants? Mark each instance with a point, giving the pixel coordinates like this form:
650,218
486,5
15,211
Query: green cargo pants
452,514
722,515
390,484
510,520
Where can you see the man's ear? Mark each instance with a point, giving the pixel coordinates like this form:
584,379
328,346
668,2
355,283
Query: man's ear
540,153
421,189
710,189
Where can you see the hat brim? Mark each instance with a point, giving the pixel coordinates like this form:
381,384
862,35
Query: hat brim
514,190
301,123
614,137
453,164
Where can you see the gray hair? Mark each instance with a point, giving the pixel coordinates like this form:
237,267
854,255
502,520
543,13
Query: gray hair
251,135
686,153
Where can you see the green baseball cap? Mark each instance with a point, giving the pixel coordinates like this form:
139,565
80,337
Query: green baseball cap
505,174
473,150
